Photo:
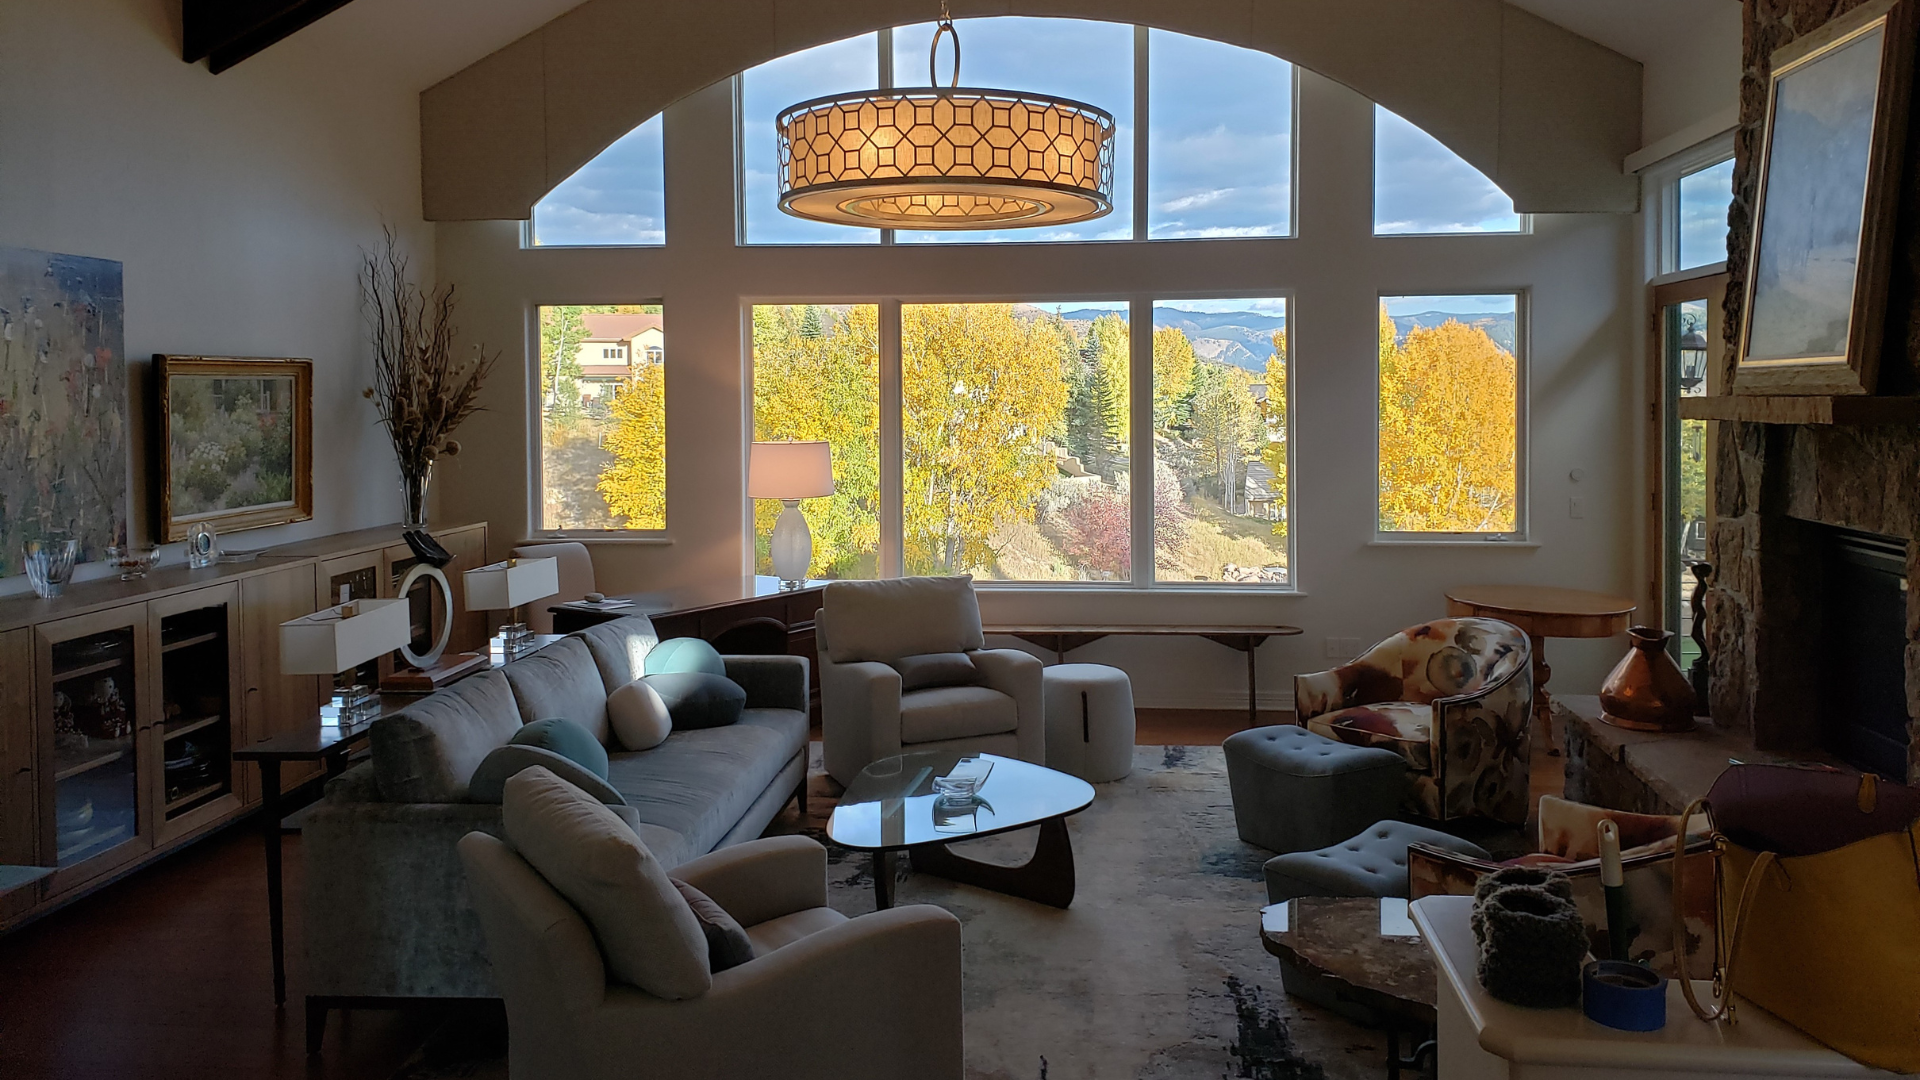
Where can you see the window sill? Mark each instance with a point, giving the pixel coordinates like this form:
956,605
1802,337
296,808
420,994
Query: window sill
1454,542
598,538
1193,588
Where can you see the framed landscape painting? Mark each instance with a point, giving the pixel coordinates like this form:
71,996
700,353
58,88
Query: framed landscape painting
1829,183
236,441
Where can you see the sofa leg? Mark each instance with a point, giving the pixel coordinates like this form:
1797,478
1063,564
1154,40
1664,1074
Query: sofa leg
800,798
316,1024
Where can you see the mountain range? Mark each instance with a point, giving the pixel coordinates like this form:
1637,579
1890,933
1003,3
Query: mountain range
1245,338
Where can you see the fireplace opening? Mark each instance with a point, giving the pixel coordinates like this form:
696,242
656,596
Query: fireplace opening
1863,684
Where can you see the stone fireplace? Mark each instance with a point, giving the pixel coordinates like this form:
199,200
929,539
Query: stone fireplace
1778,621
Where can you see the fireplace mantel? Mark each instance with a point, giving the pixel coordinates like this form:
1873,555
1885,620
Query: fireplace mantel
1771,409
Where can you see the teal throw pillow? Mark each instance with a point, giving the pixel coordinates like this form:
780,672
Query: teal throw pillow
569,740
684,654
696,699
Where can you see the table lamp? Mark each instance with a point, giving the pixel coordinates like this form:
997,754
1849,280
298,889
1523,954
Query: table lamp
336,640
504,586
790,471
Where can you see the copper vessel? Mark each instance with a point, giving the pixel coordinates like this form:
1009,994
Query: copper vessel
1646,691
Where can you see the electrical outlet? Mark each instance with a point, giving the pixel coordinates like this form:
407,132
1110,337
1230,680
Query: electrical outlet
1343,648
1577,507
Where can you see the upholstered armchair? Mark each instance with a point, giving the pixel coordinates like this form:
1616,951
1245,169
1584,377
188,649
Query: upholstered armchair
1453,697
824,997
889,683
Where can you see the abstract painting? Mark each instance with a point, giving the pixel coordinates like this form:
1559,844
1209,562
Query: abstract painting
1818,274
63,402
237,436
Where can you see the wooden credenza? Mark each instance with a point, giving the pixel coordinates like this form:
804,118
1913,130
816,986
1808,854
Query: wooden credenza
770,623
121,703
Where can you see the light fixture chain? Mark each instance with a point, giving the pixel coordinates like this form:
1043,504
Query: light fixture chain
944,26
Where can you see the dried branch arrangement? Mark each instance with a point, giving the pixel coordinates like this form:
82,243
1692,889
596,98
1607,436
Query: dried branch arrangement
422,392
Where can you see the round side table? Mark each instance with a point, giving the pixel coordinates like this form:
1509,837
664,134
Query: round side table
1543,612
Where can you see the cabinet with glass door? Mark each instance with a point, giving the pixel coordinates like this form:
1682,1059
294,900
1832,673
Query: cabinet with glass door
195,636
94,815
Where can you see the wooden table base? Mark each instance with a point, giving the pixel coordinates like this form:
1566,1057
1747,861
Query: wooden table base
1046,877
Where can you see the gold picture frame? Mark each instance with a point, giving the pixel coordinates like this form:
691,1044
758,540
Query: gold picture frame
235,445
1829,177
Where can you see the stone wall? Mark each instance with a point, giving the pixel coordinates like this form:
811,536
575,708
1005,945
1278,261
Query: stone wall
1765,605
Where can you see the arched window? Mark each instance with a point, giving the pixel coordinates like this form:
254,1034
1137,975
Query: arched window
618,198
1421,187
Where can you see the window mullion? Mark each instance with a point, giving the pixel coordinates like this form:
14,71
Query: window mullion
883,45
892,454
1140,97
1140,437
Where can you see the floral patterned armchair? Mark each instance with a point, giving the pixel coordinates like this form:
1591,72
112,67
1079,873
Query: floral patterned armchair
1453,697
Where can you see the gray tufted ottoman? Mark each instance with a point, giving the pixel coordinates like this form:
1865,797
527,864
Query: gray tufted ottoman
1372,863
1294,790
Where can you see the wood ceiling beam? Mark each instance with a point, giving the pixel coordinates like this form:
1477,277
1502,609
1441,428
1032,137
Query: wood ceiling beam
225,32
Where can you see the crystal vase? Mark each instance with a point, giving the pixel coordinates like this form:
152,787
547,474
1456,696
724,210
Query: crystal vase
413,496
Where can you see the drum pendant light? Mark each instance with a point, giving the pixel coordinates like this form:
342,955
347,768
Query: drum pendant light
952,158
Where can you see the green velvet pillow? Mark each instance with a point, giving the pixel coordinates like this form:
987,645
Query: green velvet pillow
684,654
696,699
569,740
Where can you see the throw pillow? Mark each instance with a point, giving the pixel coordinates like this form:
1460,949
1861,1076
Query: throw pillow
698,700
684,654
569,740
639,717
646,931
936,669
727,942
489,783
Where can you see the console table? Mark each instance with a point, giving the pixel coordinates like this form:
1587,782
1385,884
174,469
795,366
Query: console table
1061,638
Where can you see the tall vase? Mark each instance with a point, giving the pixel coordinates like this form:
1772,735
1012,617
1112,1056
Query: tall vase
413,496
1646,691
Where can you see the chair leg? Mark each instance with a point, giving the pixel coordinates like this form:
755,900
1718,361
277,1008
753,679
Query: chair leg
316,1024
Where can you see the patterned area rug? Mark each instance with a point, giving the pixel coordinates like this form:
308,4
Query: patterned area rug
1156,971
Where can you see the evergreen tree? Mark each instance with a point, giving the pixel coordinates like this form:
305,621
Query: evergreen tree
811,327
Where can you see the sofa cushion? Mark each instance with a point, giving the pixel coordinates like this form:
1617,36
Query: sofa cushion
955,712
561,680
695,699
699,784
1404,727
567,739
638,716
427,752
685,654
727,943
885,620
489,783
925,670
619,648
647,933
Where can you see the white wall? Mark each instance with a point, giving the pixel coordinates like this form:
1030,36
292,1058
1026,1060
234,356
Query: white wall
238,203
1692,75
1576,270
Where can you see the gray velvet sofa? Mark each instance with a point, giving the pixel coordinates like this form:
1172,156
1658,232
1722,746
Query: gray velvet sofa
387,911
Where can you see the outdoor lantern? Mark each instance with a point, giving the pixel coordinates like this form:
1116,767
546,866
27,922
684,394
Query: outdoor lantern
1693,358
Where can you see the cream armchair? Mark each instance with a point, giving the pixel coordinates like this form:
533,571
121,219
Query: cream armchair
826,997
867,630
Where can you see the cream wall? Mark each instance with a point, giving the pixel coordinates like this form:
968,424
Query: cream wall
238,204
1575,269
1692,76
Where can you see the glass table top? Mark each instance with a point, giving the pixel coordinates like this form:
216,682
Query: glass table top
892,805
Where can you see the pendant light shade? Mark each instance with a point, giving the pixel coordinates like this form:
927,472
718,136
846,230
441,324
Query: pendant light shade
952,158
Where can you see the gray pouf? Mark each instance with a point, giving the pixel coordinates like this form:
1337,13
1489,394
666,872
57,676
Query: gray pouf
1294,790
1373,863
1090,725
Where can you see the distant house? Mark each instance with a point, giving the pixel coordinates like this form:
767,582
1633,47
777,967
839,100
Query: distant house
1262,501
615,345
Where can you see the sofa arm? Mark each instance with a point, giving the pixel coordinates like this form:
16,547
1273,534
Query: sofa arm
762,879
1018,675
356,785
896,998
771,682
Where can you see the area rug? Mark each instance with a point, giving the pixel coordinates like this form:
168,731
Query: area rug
1156,970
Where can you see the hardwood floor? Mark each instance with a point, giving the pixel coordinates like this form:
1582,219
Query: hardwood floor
165,974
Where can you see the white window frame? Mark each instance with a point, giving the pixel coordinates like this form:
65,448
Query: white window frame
1520,534
1660,184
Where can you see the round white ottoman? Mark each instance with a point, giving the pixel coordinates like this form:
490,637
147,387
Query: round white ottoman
1089,709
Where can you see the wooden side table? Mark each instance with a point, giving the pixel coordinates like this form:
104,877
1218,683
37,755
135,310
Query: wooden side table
1543,612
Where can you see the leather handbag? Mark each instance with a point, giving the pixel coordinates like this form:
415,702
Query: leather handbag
1817,881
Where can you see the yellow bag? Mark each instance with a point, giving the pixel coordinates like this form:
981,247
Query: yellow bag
1817,875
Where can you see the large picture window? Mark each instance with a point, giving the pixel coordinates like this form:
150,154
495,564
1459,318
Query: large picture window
852,64
1220,419
603,418
1449,415
1220,140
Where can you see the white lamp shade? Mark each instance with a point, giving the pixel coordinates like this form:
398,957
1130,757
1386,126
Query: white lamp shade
789,470
323,643
509,584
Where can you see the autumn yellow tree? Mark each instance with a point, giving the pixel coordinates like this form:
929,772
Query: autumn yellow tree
1274,454
816,377
634,483
1173,361
1448,406
982,395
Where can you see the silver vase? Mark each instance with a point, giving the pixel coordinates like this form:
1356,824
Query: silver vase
50,565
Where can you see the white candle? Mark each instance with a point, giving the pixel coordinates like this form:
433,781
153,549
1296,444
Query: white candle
1610,873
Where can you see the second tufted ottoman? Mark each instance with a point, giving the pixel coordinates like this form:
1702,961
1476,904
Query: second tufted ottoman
1372,863
1294,790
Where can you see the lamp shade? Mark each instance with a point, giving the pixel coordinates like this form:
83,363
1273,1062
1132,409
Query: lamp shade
789,470
323,643
511,583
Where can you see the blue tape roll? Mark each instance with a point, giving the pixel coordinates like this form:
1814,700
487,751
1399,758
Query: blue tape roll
1623,996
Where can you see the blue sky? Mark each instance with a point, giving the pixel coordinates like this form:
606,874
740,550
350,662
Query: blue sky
1704,199
1220,144
1497,303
